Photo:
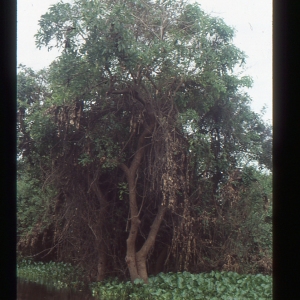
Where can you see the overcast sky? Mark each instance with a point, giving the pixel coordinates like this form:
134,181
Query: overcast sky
252,20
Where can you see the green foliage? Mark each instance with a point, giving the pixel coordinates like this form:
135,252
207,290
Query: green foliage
236,229
260,196
177,49
123,190
32,207
128,63
32,86
214,285
58,275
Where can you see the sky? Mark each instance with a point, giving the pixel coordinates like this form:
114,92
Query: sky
252,20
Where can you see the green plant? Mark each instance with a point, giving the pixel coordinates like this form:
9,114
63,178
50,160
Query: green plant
169,286
59,275
146,105
214,285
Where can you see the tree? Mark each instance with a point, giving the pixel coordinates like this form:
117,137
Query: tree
144,106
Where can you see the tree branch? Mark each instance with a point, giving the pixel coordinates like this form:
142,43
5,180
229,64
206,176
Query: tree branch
147,26
150,79
153,232
124,168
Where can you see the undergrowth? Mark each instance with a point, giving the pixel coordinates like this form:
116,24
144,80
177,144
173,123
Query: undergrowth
169,286
59,275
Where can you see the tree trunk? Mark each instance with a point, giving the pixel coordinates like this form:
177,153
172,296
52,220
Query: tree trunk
101,264
101,268
141,256
135,222
160,261
136,261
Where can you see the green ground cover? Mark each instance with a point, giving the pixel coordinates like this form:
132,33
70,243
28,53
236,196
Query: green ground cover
173,286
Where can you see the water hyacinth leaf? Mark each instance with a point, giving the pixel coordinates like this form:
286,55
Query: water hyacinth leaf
179,282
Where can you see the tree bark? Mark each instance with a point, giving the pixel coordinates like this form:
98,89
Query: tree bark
141,255
134,226
136,261
160,261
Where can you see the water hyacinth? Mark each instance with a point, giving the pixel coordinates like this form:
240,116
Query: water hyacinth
59,275
169,286
173,286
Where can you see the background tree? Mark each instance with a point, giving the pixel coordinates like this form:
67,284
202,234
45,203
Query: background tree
143,127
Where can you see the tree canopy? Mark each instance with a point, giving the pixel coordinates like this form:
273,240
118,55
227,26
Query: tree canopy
136,134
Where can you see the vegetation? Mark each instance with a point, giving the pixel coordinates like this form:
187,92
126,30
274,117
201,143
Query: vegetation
138,152
58,275
214,285
177,286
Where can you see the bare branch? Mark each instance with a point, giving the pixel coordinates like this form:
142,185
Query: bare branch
147,26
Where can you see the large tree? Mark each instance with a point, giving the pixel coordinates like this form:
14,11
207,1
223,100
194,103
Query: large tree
144,104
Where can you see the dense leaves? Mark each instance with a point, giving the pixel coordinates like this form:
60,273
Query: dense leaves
180,285
59,275
214,285
142,126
